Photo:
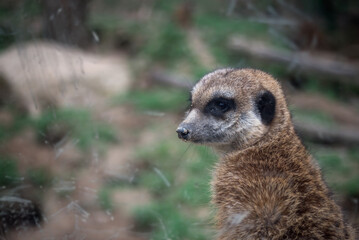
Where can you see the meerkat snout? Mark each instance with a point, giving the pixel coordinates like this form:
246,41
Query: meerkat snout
183,133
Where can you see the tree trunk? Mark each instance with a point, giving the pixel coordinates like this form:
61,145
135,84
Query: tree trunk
64,21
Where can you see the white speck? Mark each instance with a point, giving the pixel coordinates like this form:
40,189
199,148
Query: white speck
95,36
154,113
237,218
58,152
65,186
159,173
76,208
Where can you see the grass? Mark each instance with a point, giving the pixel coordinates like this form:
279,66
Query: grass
9,174
19,123
53,125
39,177
11,177
340,169
77,124
16,19
314,116
167,45
180,186
155,99
216,30
104,198
168,222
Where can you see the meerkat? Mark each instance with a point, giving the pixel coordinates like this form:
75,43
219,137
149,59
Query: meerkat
266,185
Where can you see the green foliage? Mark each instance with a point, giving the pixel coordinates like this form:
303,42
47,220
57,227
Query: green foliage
168,222
155,99
157,184
104,198
32,8
15,16
188,174
9,174
321,118
354,154
216,30
333,162
194,192
340,170
6,37
39,177
74,122
227,25
328,89
57,123
351,187
18,123
167,44
165,5
158,175
105,22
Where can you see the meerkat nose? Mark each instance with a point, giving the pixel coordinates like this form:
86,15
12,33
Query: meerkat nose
182,133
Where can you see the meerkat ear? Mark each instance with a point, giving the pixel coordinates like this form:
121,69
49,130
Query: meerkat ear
265,104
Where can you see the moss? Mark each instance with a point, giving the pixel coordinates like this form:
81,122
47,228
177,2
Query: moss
189,177
39,177
167,222
9,174
77,123
167,44
351,187
104,198
156,99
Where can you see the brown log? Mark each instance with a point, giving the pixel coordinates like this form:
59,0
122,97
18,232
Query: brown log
318,63
336,135
342,113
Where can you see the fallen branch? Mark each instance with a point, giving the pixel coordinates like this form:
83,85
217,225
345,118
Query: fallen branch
339,135
329,65
342,113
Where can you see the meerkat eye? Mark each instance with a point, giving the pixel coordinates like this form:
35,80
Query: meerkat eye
221,105
218,106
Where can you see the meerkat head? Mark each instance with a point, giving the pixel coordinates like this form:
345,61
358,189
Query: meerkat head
232,109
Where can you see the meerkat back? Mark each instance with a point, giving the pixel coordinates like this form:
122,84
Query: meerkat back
266,185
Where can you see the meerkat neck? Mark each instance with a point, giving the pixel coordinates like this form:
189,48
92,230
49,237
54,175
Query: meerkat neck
280,154
285,135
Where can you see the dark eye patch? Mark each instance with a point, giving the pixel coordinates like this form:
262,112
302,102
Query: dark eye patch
218,106
266,105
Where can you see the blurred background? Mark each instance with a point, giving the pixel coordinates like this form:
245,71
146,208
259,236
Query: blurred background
91,93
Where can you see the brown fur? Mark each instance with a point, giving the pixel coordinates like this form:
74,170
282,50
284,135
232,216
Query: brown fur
266,186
